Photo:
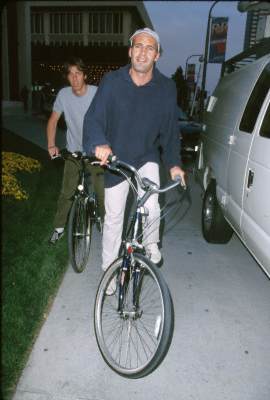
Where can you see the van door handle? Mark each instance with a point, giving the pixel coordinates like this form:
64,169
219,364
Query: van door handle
250,178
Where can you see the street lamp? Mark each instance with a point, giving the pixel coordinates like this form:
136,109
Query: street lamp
205,60
193,55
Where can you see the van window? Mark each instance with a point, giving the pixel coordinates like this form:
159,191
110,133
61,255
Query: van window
265,128
255,101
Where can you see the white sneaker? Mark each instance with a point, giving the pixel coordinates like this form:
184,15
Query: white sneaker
153,252
111,289
57,234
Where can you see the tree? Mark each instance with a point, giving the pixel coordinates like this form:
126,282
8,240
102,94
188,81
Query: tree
182,88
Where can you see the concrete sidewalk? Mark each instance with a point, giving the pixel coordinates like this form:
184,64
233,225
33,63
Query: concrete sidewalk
30,126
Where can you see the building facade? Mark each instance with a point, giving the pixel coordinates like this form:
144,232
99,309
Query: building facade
257,26
39,36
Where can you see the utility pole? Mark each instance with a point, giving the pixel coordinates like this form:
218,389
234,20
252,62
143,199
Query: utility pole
205,61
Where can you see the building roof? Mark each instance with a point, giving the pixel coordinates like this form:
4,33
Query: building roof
244,6
138,5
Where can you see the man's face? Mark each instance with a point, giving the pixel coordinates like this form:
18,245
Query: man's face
143,53
76,78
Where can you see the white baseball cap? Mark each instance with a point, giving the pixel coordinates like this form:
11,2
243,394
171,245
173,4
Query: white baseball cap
149,32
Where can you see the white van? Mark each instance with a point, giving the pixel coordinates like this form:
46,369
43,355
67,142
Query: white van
234,160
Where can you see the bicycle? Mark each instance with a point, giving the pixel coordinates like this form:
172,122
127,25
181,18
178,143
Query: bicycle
134,325
84,213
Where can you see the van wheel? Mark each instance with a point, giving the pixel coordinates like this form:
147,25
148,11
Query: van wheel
215,228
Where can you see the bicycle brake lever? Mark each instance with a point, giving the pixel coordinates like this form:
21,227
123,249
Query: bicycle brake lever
112,158
178,178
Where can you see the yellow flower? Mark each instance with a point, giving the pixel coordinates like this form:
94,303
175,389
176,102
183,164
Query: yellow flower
11,163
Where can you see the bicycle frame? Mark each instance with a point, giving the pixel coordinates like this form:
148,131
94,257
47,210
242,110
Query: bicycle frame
132,243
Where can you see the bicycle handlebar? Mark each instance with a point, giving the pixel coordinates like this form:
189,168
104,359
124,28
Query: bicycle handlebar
145,183
65,153
78,155
114,163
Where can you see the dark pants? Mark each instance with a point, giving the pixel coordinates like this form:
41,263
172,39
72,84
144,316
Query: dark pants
69,184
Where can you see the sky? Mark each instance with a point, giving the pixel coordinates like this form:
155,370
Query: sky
182,25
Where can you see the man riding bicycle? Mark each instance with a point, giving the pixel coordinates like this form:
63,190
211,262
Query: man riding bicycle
132,114
73,101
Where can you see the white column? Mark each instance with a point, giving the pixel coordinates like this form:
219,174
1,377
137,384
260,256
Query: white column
126,27
46,21
24,46
85,28
5,63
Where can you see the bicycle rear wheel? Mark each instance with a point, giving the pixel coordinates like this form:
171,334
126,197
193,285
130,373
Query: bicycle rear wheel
134,340
79,234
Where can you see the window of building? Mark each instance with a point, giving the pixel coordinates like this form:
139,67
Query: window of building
105,22
56,23
77,23
37,25
69,23
255,101
65,23
116,23
109,23
95,23
102,23
90,23
265,128
121,23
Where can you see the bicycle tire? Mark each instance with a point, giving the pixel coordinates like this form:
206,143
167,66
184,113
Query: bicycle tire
158,329
79,234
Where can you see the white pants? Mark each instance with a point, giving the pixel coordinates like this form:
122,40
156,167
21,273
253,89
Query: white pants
115,202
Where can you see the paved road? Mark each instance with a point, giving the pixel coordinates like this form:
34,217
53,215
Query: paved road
220,348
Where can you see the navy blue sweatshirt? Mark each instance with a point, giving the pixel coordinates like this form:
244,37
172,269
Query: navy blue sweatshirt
133,120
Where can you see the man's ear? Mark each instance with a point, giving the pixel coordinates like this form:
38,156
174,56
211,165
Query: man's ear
157,57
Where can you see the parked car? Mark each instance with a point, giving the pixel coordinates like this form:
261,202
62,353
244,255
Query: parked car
234,160
189,134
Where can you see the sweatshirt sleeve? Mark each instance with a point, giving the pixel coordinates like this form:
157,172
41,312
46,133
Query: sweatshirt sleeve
96,118
169,135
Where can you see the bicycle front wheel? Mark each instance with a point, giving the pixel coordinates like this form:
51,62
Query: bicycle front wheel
134,338
79,234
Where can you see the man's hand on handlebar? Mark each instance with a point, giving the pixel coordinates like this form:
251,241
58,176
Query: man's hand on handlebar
102,152
53,151
176,172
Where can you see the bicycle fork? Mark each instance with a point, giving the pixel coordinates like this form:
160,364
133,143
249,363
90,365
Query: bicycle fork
129,271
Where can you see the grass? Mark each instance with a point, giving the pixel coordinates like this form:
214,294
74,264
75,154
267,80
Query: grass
32,270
